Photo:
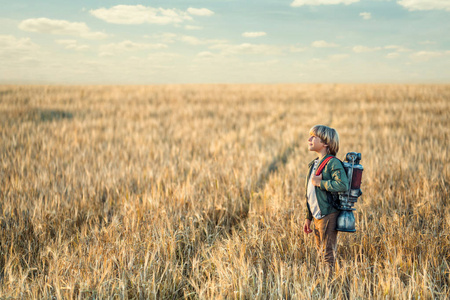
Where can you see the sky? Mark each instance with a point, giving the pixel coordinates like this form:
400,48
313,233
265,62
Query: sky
224,41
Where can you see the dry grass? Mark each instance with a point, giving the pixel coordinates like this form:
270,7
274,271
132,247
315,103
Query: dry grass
198,191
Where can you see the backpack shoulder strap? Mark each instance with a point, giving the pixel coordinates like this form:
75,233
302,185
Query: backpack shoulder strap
323,164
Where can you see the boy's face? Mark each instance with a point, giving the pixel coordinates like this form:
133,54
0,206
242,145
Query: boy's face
315,144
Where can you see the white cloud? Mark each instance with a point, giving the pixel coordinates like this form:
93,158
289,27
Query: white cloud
9,42
427,55
254,34
200,12
366,15
323,44
295,49
267,63
172,37
362,49
327,60
247,48
297,3
205,54
139,14
397,48
338,57
412,5
162,56
19,58
72,44
66,42
208,56
392,55
60,27
193,27
192,40
111,49
105,54
166,37
12,47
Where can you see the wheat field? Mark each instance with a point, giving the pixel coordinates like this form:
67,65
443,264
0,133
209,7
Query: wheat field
197,191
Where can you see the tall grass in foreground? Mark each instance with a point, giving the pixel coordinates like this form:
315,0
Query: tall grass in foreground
197,191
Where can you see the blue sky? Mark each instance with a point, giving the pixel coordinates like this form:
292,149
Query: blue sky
230,41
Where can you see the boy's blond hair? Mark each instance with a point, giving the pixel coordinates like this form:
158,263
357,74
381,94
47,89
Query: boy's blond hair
328,135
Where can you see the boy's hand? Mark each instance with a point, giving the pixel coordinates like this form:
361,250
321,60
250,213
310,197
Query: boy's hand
316,179
307,227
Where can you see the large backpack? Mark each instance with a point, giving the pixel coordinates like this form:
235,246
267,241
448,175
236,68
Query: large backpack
353,169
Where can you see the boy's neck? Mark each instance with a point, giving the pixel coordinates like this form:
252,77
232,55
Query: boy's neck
322,153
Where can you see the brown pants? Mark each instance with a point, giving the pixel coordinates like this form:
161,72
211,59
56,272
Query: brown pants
326,238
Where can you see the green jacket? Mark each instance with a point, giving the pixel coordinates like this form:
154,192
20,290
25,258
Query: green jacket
334,179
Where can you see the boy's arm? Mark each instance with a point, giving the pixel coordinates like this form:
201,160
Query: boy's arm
338,181
308,212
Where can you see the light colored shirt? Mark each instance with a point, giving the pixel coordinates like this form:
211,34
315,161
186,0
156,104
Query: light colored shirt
311,193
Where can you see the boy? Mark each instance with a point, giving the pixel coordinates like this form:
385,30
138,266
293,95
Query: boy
325,142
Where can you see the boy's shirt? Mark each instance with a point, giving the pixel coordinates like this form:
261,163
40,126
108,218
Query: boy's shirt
334,179
311,192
